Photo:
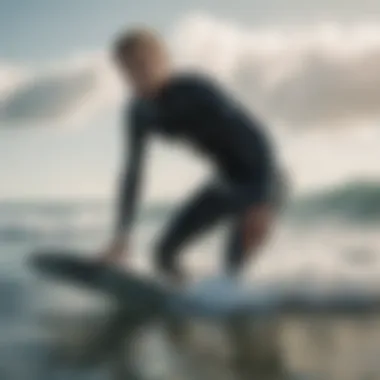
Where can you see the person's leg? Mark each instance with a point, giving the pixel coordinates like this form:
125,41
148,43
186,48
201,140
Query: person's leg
249,231
202,211
263,202
254,206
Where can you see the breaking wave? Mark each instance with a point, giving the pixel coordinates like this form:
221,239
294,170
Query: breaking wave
353,203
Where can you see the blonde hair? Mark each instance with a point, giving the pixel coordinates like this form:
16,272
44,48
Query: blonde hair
129,41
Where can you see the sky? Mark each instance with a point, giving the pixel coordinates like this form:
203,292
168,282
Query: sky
308,68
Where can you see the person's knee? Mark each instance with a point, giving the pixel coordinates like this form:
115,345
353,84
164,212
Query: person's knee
258,224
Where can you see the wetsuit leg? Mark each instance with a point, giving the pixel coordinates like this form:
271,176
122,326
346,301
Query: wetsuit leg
214,203
207,207
266,202
247,233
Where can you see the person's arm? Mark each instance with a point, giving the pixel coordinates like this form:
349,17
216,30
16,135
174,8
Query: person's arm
129,188
130,181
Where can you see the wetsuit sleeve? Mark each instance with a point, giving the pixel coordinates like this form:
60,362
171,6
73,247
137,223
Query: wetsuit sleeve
130,182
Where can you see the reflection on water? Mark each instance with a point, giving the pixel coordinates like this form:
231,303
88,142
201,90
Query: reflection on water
341,348
308,348
328,347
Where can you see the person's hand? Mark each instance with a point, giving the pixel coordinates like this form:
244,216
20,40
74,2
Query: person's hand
114,252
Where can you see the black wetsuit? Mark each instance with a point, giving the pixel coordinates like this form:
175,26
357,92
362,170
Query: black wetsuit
194,109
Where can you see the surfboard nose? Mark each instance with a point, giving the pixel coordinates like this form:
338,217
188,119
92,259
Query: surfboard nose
137,295
67,268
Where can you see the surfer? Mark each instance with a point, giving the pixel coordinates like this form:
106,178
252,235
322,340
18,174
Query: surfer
194,109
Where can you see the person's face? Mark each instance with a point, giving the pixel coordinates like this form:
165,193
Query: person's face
146,68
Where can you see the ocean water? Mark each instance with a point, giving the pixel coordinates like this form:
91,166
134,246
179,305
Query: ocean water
326,238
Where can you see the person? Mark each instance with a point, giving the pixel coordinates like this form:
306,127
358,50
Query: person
195,109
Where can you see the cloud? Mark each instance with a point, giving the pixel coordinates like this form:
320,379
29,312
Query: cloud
64,93
321,75
10,77
310,76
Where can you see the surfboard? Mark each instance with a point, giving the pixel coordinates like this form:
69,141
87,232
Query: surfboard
220,297
140,294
